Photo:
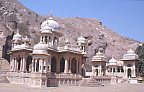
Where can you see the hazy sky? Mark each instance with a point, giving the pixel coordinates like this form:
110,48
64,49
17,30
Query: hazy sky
126,17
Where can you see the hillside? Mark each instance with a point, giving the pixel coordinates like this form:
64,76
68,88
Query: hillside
13,16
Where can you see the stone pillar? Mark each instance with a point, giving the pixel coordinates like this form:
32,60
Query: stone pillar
15,67
116,71
126,73
24,64
66,66
35,65
100,68
112,72
134,73
46,67
13,63
70,67
32,65
21,66
39,65
42,65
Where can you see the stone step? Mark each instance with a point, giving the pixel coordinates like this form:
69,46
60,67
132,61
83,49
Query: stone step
88,82
3,79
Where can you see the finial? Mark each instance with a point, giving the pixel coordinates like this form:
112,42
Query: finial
50,15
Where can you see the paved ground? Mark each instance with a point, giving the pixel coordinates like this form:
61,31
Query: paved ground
106,88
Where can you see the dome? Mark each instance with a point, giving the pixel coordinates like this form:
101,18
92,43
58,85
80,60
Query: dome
40,48
112,62
50,24
24,45
99,54
81,40
17,36
130,51
130,55
98,57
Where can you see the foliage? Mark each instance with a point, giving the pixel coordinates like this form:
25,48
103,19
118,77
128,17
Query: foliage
140,52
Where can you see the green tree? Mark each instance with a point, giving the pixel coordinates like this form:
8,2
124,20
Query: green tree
140,52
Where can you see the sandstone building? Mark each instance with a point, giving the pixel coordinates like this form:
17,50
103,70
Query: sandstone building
47,64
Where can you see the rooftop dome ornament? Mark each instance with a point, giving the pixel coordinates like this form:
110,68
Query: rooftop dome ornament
50,15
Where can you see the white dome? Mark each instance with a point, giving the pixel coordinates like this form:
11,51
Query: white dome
50,23
23,46
17,36
130,55
112,61
130,51
81,40
40,48
98,57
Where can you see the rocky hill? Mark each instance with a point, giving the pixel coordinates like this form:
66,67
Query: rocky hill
13,16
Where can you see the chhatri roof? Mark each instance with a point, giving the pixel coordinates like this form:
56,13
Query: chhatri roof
99,57
130,55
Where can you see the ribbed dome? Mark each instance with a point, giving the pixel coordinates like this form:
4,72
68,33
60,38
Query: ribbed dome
81,40
50,23
17,36
40,48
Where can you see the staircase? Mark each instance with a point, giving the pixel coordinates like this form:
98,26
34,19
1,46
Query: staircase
88,82
3,79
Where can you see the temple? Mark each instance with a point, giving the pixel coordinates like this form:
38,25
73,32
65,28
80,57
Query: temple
49,65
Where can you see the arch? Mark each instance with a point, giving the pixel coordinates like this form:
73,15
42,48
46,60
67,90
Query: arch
129,73
96,72
28,62
46,39
55,41
37,65
73,65
62,65
53,64
19,63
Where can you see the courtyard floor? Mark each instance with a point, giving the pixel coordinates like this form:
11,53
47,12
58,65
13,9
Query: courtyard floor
5,87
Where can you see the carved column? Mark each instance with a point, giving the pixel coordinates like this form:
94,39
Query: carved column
24,64
35,64
66,66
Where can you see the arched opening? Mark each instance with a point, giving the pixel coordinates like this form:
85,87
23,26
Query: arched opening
55,41
73,65
129,72
96,72
28,62
37,65
46,39
62,65
19,63
53,64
